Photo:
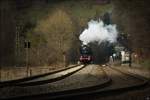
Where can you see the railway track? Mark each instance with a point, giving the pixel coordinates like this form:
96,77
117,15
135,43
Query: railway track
105,81
124,80
115,80
43,78
143,79
51,78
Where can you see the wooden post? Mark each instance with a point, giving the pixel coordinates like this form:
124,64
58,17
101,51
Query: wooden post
27,46
27,62
130,58
64,59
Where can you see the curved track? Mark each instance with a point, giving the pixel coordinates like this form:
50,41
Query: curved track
123,80
52,78
66,86
43,78
115,80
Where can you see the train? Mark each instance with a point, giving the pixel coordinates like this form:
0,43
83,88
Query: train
86,56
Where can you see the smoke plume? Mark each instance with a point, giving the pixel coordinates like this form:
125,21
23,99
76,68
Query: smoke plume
97,31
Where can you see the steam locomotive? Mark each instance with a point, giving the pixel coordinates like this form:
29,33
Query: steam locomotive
86,56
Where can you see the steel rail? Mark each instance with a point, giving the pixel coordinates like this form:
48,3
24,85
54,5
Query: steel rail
40,82
97,89
66,93
143,79
16,81
103,91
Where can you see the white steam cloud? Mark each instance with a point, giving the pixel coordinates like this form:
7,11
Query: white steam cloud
98,32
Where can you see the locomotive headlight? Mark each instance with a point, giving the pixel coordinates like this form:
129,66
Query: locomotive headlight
88,57
81,58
